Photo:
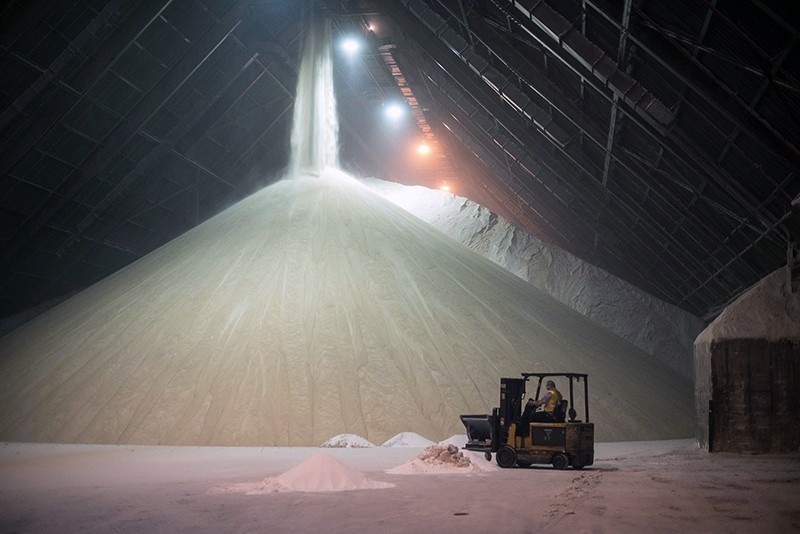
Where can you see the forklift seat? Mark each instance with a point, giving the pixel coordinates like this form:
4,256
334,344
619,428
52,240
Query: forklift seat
561,411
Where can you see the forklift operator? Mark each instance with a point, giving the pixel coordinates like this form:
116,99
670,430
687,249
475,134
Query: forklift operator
550,401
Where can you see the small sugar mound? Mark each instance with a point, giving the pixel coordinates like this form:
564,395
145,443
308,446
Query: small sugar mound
456,439
445,455
347,441
407,439
321,472
437,459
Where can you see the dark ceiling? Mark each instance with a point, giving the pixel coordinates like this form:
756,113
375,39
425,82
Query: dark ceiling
655,139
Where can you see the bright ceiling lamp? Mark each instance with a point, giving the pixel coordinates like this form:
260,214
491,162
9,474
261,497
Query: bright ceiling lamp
350,45
394,111
423,149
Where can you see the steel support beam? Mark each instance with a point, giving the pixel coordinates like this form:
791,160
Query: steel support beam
702,94
124,210
572,158
575,45
762,89
501,199
730,262
612,125
709,168
692,167
697,47
144,110
110,15
190,129
678,149
44,119
522,138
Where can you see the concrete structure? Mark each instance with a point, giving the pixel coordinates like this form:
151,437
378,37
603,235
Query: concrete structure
747,363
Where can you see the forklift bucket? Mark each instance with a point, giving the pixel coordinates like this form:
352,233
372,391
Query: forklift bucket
479,431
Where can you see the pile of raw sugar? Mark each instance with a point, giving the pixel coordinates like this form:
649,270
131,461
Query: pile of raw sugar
342,441
407,439
321,472
437,459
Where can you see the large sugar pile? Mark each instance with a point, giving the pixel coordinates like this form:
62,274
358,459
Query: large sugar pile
369,322
312,308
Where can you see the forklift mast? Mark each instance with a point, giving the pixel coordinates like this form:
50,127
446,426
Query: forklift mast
512,394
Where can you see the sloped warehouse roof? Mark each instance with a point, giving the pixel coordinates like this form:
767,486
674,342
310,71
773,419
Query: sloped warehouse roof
657,140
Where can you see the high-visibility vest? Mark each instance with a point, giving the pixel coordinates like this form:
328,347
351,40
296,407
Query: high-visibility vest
553,401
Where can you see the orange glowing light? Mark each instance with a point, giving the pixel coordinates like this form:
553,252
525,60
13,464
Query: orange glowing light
444,187
424,149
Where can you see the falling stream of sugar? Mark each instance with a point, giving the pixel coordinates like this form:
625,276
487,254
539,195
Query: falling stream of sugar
315,126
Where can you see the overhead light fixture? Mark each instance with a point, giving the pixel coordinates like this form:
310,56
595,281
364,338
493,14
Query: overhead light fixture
423,149
394,111
351,45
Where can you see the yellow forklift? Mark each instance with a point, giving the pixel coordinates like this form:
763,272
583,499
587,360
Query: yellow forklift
511,433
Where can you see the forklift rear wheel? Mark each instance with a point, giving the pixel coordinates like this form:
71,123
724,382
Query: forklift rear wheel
560,461
506,456
488,456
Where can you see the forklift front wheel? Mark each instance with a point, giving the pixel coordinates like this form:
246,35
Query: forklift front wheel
506,456
560,461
